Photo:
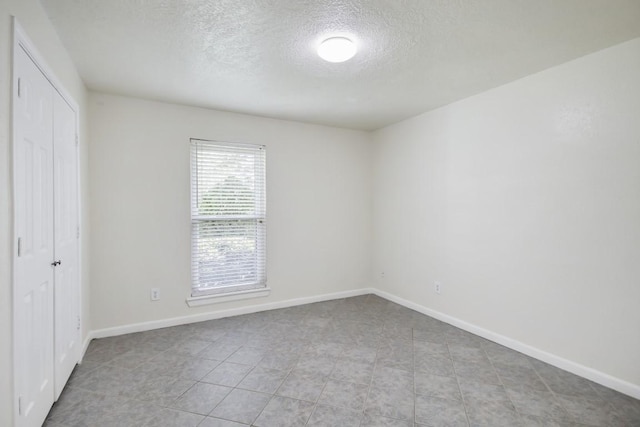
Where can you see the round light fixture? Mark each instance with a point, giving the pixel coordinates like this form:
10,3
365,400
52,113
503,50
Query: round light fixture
337,49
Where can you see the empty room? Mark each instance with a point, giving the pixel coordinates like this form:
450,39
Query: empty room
411,213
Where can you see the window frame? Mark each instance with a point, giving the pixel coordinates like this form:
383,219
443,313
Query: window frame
199,292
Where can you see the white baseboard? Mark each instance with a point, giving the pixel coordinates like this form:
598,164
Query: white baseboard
557,361
85,345
175,321
606,380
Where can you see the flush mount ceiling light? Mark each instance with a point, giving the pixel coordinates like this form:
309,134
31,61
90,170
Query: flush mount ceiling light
337,49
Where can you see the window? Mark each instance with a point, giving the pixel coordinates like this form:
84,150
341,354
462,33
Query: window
228,213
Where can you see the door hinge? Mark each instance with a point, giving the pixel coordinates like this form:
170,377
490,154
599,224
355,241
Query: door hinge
18,87
19,246
77,232
78,322
19,405
77,140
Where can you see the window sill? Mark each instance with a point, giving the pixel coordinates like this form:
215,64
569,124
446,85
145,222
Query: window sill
228,296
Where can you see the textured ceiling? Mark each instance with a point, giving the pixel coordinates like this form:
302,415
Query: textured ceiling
258,56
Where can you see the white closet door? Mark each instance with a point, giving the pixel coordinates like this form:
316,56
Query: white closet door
34,274
65,179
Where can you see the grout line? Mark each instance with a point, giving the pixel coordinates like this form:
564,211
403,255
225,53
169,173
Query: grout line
375,366
555,395
504,387
455,374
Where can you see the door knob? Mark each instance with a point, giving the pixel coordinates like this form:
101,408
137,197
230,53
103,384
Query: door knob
55,263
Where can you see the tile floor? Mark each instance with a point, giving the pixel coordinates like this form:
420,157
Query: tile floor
360,361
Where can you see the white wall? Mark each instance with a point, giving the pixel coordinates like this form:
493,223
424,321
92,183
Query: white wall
525,202
318,206
37,26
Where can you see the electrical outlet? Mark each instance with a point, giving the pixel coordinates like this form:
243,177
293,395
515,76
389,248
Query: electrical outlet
155,294
437,286
382,274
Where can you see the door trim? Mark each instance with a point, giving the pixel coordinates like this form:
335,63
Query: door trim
22,41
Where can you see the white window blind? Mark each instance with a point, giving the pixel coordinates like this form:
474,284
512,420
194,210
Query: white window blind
228,217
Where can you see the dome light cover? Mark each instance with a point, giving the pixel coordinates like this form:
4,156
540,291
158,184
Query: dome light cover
337,49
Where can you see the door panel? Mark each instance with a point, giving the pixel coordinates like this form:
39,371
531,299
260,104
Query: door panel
67,332
34,288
